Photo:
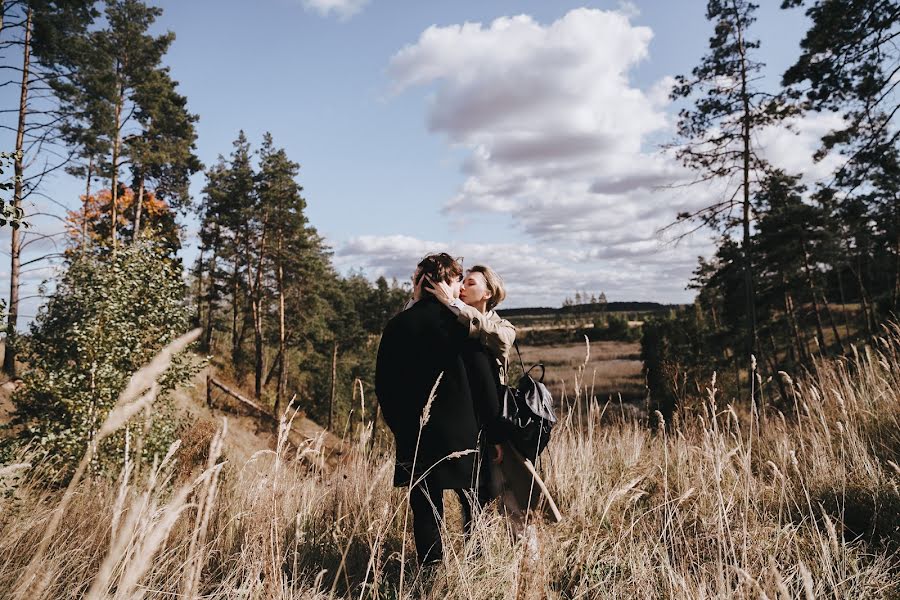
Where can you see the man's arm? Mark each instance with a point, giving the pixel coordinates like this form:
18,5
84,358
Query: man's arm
387,375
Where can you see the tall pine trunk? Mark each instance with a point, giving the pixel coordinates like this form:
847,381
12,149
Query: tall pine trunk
833,323
749,293
235,288
120,93
334,357
138,209
895,299
807,270
792,322
207,333
840,282
279,394
255,285
9,356
868,314
87,199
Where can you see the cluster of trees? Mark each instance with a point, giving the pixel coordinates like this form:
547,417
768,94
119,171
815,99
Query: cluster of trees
800,270
95,100
585,298
108,316
267,294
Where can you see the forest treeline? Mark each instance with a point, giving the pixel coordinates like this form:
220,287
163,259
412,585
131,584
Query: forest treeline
97,101
803,268
271,304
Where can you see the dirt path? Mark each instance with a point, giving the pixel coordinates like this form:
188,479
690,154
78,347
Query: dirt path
249,433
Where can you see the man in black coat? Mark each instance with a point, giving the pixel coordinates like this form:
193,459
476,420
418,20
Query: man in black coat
437,449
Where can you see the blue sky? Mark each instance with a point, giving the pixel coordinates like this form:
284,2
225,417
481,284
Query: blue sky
522,134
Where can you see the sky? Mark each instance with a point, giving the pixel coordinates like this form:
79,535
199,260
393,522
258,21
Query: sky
520,134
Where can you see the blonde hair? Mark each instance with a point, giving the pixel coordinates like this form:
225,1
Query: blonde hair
494,285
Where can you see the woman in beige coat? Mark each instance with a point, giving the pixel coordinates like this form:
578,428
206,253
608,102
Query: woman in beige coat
511,479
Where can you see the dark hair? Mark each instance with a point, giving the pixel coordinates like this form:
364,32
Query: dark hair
439,267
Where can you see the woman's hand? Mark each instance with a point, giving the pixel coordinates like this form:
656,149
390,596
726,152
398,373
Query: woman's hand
440,290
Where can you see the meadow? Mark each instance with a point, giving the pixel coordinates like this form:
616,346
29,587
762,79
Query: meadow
608,370
720,503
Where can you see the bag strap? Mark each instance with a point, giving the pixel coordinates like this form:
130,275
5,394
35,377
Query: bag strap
521,362
533,367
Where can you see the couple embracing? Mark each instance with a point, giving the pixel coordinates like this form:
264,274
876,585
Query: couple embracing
449,330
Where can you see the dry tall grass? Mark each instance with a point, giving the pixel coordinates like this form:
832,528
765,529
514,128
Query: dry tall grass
719,505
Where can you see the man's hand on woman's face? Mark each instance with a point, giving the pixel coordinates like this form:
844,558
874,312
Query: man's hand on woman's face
440,290
417,286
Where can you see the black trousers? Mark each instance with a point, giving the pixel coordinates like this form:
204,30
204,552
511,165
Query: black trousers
427,502
427,505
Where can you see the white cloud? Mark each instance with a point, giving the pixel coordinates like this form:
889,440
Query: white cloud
343,9
559,137
536,274
556,132
790,146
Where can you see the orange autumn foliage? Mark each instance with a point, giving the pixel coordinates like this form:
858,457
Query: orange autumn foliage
97,212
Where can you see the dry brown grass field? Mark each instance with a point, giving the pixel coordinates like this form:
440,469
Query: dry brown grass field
720,504
607,369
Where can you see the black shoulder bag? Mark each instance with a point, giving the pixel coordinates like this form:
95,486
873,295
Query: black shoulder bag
526,412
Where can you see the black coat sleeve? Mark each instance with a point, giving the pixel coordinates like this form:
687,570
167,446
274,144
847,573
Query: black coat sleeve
484,383
387,375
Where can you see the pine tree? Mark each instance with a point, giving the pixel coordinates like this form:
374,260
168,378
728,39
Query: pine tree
716,133
280,199
849,63
44,30
162,154
112,71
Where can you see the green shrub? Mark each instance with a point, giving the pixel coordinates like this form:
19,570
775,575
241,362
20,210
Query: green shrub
107,317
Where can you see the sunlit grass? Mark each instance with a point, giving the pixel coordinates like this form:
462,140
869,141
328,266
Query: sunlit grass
719,504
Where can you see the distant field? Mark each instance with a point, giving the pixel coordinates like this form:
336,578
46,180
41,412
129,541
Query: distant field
613,368
526,322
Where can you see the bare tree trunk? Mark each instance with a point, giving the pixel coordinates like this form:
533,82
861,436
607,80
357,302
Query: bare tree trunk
115,162
273,370
840,282
333,386
831,321
138,209
255,285
207,340
868,315
9,356
279,394
258,366
749,294
807,270
895,296
235,287
773,369
795,329
199,297
87,200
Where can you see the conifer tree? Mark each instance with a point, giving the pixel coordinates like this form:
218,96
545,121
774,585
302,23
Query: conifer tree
716,134
44,31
